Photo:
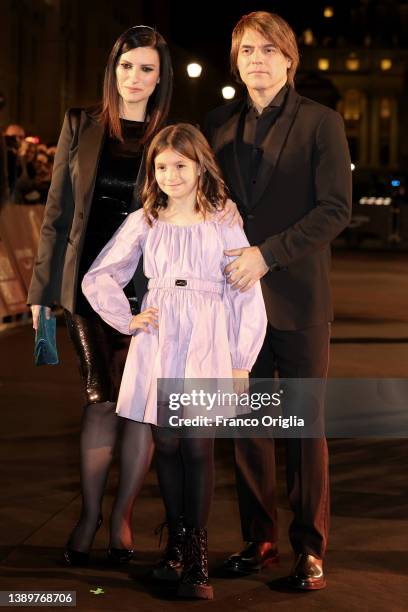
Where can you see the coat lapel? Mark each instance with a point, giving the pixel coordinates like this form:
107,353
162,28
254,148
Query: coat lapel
89,150
225,147
273,144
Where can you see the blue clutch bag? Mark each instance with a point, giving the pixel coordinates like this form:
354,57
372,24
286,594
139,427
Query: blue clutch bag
45,347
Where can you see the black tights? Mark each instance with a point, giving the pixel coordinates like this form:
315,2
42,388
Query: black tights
185,468
100,430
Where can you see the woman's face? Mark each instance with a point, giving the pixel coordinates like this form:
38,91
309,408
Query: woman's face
137,74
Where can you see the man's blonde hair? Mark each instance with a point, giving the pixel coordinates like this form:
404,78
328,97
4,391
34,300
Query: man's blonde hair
273,28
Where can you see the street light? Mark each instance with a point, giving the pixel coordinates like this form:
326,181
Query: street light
386,64
323,63
228,92
194,70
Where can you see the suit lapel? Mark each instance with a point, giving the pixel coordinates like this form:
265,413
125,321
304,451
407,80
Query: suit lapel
273,144
89,150
225,147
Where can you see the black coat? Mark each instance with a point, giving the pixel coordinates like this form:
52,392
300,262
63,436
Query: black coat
301,201
67,210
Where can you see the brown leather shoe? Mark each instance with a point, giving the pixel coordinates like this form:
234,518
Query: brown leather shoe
254,557
307,573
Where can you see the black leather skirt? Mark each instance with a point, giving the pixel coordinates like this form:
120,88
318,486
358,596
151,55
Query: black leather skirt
101,352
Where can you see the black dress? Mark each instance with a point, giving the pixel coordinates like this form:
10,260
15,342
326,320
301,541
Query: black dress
102,350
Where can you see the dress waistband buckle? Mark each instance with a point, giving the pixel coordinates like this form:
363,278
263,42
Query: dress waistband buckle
180,282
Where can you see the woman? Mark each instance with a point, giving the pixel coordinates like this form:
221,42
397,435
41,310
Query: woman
97,173
95,178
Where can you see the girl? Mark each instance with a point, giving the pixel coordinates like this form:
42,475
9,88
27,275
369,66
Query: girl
192,325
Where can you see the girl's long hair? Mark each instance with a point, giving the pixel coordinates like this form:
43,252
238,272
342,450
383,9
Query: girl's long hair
186,140
159,102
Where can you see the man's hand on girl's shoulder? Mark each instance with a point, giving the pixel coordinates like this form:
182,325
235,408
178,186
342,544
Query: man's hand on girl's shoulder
230,214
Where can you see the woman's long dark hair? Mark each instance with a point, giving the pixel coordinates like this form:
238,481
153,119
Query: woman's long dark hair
159,102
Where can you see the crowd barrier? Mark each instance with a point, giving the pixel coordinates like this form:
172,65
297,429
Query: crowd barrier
19,234
377,223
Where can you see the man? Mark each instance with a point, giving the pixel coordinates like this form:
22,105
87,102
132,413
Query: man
14,136
3,171
285,159
15,131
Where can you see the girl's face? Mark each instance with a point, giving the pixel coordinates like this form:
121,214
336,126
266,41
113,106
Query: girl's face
176,175
137,74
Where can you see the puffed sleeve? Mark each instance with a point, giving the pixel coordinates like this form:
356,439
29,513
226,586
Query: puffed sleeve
111,271
245,312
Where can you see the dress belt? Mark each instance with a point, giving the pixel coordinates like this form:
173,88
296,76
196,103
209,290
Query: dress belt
189,284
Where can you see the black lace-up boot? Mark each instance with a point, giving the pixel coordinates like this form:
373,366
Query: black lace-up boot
170,567
194,582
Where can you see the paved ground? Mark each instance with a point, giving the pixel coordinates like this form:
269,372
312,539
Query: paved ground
367,562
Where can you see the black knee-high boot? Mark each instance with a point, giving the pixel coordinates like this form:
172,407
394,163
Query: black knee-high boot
198,462
171,481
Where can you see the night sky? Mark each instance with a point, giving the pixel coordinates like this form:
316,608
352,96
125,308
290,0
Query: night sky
205,34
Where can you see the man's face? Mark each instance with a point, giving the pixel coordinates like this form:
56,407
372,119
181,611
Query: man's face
15,131
261,65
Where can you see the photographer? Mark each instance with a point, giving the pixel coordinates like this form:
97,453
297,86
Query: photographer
25,172
13,136
3,171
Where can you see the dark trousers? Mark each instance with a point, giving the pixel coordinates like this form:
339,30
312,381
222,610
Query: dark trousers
294,354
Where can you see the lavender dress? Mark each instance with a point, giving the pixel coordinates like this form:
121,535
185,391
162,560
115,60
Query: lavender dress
206,328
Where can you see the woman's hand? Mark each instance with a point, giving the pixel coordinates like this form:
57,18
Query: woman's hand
230,214
35,311
144,319
241,381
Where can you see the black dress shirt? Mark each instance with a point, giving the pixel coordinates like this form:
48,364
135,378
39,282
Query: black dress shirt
253,129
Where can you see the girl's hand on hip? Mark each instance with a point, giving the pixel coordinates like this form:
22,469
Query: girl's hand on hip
35,311
144,319
230,214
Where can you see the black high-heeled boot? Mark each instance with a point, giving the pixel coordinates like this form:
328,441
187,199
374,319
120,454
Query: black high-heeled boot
170,567
78,558
194,582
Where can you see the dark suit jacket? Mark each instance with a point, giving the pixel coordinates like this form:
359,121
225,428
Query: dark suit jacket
66,213
300,202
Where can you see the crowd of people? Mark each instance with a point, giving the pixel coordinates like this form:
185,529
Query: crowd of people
27,167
